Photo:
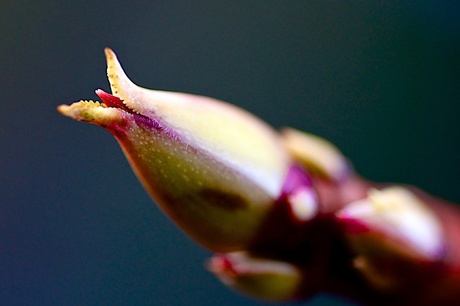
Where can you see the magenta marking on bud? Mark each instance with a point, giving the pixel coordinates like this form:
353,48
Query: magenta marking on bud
112,101
295,179
152,123
141,120
351,225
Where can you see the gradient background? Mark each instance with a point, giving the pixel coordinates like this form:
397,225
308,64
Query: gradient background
378,78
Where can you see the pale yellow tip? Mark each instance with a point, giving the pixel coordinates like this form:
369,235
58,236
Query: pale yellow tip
316,154
91,111
109,54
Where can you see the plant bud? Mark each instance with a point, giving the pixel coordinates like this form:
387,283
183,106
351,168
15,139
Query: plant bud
213,168
264,279
316,154
394,235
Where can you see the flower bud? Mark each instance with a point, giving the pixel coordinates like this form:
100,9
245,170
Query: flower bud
316,154
213,168
265,279
394,235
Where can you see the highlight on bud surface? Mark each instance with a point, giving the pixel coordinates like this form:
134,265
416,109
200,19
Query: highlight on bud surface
299,195
397,219
213,168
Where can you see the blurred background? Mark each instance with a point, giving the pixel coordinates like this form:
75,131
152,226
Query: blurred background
378,78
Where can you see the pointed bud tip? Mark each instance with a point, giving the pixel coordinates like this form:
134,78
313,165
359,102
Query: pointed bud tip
109,54
92,112
112,101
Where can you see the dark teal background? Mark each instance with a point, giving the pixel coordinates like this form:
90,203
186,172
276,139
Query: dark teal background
378,78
